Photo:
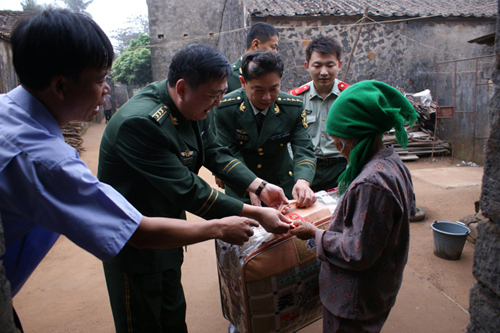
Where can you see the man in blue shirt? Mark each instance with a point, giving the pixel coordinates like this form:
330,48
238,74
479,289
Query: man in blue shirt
62,59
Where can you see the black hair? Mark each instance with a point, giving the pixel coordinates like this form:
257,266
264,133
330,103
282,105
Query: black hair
58,42
325,45
264,62
198,64
261,31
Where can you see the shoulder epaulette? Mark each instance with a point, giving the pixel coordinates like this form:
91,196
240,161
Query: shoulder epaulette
159,113
236,69
342,86
299,90
234,97
289,99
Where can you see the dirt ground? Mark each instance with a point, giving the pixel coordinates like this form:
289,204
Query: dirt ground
67,292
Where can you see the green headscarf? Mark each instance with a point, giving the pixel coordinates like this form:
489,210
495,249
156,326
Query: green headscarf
363,111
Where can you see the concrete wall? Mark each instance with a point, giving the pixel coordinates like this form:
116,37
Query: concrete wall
181,23
484,302
8,78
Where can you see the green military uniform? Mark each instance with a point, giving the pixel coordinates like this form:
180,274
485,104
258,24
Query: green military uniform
330,162
266,154
233,82
151,154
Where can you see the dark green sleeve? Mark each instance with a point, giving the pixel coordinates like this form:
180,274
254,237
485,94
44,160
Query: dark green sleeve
229,167
153,154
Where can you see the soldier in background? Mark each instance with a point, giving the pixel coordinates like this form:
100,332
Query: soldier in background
323,63
261,36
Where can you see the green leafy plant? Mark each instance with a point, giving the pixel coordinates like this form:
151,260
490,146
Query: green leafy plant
133,66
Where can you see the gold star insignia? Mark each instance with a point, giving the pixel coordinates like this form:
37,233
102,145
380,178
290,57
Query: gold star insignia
174,120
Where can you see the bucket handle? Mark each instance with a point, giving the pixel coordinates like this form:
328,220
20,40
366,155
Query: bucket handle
458,222
465,225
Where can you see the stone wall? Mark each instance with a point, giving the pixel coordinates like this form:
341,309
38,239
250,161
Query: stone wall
8,78
401,54
484,302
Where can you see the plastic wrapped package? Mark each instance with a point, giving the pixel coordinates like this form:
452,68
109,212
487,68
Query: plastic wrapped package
270,284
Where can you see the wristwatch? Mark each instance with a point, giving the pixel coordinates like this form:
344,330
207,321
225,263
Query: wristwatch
260,188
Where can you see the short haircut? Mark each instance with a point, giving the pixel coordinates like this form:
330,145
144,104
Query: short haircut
325,45
261,31
198,64
58,42
264,62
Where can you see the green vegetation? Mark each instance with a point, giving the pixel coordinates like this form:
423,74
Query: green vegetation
133,66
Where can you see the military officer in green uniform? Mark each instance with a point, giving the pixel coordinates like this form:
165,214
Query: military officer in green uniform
323,63
261,36
258,121
151,152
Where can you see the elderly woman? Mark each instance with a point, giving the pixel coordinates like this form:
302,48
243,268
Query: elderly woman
365,247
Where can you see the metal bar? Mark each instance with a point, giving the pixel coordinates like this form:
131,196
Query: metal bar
455,61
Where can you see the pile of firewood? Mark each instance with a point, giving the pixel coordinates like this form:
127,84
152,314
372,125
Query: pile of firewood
72,133
421,135
420,143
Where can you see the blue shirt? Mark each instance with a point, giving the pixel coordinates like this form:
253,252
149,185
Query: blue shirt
46,190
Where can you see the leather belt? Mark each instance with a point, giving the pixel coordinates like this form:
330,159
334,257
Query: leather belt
330,161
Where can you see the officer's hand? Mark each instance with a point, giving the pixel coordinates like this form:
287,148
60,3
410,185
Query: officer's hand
255,200
219,182
303,194
273,220
303,230
273,196
237,230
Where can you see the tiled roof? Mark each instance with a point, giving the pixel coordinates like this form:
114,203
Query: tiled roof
385,8
8,19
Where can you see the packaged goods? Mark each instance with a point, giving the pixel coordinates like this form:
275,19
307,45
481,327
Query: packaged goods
270,284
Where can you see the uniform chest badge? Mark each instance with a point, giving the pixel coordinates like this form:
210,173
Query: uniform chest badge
187,157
